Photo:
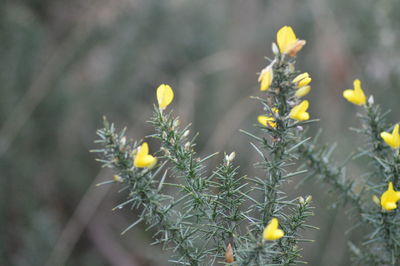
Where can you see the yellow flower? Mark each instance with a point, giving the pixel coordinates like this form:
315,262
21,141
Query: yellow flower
393,140
357,95
266,77
165,95
288,42
143,159
299,112
389,198
302,80
271,231
266,121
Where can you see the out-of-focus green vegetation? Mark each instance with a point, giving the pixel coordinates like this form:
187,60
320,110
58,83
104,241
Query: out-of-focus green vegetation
65,64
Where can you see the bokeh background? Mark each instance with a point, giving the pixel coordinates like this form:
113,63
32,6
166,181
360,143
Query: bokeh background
65,64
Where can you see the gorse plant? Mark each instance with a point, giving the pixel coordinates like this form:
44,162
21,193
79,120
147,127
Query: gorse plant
375,206
216,216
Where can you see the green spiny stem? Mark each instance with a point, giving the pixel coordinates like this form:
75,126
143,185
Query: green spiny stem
386,168
275,163
182,155
277,149
373,122
387,164
142,189
254,255
226,209
200,223
330,174
289,244
210,210
364,256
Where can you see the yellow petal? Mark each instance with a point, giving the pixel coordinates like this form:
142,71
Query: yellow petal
300,77
395,134
388,138
393,140
266,77
389,198
266,121
299,112
147,161
304,82
357,95
303,91
165,95
271,231
286,39
389,206
143,149
395,131
143,159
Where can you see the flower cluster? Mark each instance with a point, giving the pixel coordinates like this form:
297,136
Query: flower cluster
284,88
287,44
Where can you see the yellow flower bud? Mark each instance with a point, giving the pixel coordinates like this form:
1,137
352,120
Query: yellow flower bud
303,91
357,95
389,198
266,77
393,140
143,159
376,200
117,178
299,112
165,95
301,77
271,231
301,82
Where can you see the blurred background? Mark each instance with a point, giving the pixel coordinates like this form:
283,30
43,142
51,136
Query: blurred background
65,64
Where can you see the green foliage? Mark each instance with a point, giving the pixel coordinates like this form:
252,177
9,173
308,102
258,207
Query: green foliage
381,246
66,63
198,212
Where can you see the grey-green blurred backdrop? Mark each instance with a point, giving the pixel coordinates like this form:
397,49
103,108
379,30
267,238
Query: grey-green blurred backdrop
65,64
